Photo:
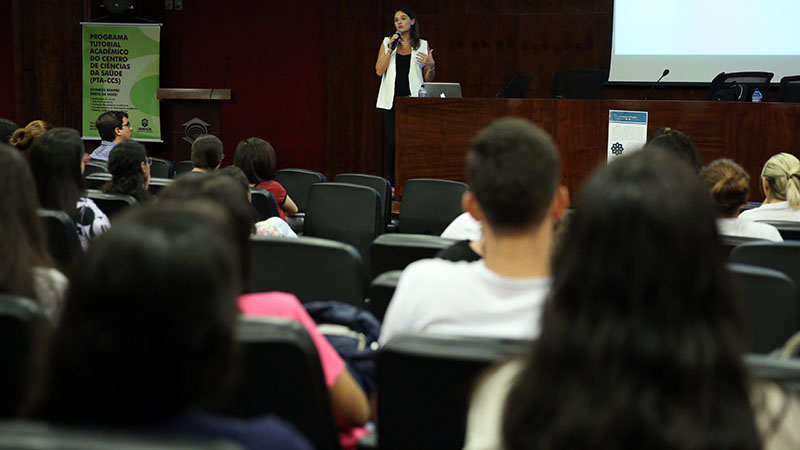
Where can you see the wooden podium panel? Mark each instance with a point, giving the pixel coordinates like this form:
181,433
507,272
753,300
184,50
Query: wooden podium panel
433,134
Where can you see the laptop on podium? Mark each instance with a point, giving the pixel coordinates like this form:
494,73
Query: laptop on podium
443,90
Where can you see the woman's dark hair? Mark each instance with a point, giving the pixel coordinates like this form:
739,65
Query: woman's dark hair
207,152
677,143
256,158
153,338
23,138
22,241
226,193
640,344
125,164
728,184
55,160
414,28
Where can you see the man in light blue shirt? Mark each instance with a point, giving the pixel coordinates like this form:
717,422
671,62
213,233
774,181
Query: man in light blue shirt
114,128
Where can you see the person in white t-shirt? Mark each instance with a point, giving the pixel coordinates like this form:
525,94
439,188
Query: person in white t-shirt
729,186
780,182
513,169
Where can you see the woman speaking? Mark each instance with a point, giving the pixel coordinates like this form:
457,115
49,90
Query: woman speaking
399,77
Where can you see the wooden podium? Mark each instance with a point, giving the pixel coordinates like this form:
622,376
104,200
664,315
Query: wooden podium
188,113
432,134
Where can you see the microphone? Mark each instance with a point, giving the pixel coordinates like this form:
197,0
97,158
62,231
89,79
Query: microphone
663,74
394,44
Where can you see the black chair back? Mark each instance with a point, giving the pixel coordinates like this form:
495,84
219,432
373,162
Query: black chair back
183,167
380,184
111,203
312,269
783,371
395,251
790,231
380,293
94,167
345,213
62,237
429,205
790,89
297,183
161,168
728,243
157,184
781,256
579,84
21,321
516,86
264,203
425,382
767,302
753,81
21,435
281,374
97,180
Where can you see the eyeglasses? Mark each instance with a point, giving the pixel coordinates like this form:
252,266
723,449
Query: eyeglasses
126,125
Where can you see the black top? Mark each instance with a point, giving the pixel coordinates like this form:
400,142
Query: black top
460,251
402,63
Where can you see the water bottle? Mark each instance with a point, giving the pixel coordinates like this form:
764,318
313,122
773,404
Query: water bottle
757,96
424,93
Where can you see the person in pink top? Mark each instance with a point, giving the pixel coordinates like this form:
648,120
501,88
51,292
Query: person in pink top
256,158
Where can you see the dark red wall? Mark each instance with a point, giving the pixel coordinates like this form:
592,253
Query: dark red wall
7,108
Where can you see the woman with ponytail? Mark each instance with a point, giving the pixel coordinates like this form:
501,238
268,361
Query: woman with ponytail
729,186
780,183
23,138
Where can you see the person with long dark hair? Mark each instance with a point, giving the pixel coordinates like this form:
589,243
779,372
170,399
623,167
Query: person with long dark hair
26,268
56,160
641,344
151,346
129,166
256,157
405,62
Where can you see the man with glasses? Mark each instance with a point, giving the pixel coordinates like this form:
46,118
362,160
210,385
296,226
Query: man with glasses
114,128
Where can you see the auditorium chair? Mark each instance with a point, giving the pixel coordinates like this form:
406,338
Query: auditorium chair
97,180
429,205
790,89
790,231
183,167
785,372
344,212
752,80
157,184
313,269
425,382
297,183
264,203
781,256
395,251
111,203
161,168
380,293
63,242
728,243
21,322
579,84
380,184
767,301
94,167
24,435
280,373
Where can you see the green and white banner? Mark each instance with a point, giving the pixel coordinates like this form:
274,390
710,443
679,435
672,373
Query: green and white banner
121,73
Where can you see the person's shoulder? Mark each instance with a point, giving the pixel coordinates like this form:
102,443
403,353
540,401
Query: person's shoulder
265,432
269,303
435,267
764,230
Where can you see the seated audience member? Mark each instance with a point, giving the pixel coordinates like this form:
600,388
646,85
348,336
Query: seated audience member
25,267
114,128
206,153
130,171
640,344
257,159
780,183
348,401
56,160
513,170
467,231
7,128
729,185
23,138
274,226
678,144
150,345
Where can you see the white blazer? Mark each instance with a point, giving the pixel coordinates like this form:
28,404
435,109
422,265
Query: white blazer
415,79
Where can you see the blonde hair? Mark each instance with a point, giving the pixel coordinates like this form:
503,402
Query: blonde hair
782,172
728,184
24,137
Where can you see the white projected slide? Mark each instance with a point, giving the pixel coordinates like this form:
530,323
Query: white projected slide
697,39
